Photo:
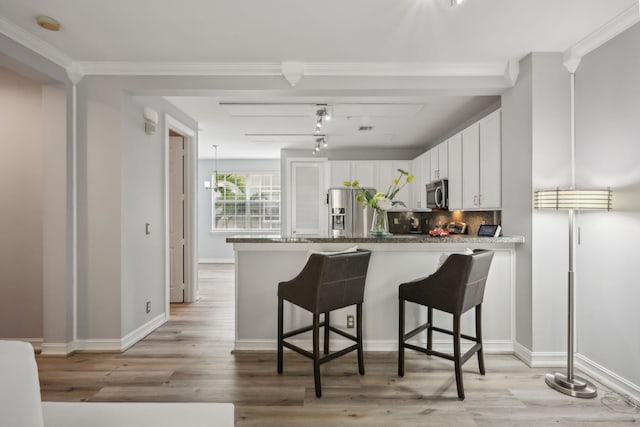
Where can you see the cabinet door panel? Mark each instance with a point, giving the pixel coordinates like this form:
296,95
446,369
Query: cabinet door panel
339,172
435,166
308,207
404,194
443,162
471,166
490,162
455,172
363,171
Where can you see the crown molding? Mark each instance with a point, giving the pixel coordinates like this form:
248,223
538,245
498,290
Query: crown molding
34,43
597,38
294,71
181,68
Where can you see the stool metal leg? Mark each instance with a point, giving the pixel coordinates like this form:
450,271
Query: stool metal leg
430,330
479,338
326,333
401,338
280,333
359,338
456,356
316,354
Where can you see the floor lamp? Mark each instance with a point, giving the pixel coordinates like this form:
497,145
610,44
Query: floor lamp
571,200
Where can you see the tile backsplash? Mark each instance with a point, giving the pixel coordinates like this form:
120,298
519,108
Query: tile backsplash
400,222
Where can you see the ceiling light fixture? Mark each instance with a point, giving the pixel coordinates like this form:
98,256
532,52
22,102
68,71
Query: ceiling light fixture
456,3
48,23
322,115
321,142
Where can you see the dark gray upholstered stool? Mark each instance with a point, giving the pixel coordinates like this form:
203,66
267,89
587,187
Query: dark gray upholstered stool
457,286
326,283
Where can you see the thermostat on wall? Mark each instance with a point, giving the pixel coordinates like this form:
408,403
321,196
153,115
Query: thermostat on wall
489,230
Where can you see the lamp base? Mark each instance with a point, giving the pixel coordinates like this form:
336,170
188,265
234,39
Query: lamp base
579,387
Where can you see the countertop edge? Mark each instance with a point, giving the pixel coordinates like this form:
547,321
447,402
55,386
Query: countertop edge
386,240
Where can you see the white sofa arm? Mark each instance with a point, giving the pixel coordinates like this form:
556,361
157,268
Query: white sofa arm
19,386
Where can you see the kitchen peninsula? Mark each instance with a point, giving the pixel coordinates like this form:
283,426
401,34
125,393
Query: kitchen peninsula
262,262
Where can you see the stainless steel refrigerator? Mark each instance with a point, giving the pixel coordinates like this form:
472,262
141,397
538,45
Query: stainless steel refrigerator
347,217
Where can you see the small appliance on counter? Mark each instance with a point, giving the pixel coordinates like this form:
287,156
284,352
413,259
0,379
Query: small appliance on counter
414,225
489,230
451,228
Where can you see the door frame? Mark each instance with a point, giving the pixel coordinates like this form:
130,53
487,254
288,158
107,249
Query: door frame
190,210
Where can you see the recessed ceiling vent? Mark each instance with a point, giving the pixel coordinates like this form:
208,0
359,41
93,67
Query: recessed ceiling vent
365,128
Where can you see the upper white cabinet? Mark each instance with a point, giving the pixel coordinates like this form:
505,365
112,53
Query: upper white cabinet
364,171
455,172
481,162
439,161
307,198
346,170
339,172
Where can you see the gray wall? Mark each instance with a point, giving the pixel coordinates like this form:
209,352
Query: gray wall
536,155
21,182
607,155
212,246
516,191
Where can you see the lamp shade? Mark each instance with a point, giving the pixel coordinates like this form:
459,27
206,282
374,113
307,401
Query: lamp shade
560,199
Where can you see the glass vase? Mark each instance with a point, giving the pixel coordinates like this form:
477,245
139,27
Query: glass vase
380,223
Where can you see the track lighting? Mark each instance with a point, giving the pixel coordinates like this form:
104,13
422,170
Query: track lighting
322,114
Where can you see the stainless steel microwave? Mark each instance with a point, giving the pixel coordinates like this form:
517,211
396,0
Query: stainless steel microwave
438,194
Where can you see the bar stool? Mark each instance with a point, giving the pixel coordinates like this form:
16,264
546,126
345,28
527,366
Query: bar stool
457,286
326,283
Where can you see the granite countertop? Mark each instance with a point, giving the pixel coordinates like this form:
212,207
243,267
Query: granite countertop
398,238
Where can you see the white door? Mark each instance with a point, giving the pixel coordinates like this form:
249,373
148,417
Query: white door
176,218
454,160
308,199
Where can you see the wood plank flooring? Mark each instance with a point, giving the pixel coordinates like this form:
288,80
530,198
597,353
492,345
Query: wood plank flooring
189,359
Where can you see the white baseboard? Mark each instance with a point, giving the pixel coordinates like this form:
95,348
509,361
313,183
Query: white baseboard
490,347
540,359
58,348
610,379
104,345
216,260
141,332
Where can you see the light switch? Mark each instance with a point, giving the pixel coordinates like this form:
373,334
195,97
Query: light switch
147,228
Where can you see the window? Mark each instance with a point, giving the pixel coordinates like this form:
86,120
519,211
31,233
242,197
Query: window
246,201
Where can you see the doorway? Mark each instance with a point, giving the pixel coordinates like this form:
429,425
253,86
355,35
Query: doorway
181,276
176,217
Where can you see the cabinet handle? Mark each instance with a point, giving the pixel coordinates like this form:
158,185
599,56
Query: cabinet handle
479,199
475,200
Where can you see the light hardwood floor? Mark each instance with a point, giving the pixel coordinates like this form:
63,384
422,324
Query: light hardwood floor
189,359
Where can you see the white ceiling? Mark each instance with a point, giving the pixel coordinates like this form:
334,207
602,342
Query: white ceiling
411,39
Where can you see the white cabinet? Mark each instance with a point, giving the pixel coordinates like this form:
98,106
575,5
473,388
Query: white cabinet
363,171
481,176
307,208
339,172
454,161
416,187
439,162
346,170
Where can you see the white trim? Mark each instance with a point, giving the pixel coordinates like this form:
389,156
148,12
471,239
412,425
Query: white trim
597,38
57,349
191,207
315,69
105,345
34,43
137,334
216,260
490,347
540,359
607,377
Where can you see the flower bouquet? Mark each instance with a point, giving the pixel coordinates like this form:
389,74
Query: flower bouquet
381,202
